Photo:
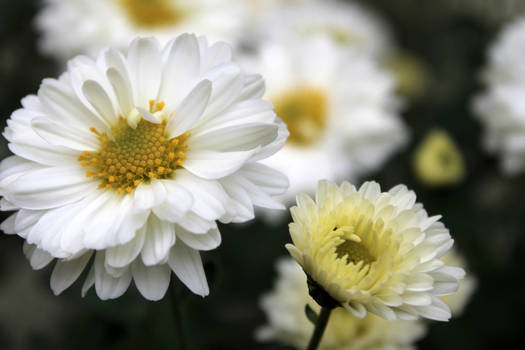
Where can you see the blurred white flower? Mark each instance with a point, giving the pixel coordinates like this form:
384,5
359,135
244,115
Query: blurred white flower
467,286
501,108
345,23
338,105
373,251
285,310
132,159
85,26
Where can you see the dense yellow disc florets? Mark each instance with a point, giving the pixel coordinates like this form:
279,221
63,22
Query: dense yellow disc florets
151,13
131,156
304,110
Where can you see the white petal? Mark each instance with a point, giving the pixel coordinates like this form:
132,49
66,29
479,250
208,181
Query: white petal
160,237
122,89
177,203
355,309
89,282
50,187
194,223
253,87
209,197
227,85
100,101
190,109
123,255
101,230
218,53
8,225
184,52
149,196
214,165
240,207
438,311
61,104
267,179
107,286
235,138
66,272
187,265
145,69
25,219
38,258
152,118
11,168
207,241
151,281
61,135
47,232
25,143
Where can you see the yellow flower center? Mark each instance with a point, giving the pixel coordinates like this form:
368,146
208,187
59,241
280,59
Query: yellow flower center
151,13
354,252
351,248
129,156
304,110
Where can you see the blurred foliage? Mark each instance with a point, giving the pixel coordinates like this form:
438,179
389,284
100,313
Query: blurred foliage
485,213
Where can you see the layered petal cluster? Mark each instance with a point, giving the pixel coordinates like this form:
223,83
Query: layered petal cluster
125,164
500,108
84,26
285,310
339,106
374,251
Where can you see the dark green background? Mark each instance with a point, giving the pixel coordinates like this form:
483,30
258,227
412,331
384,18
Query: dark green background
485,213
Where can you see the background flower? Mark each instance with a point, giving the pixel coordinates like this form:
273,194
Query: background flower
339,108
374,251
284,307
437,160
85,26
500,108
132,160
347,24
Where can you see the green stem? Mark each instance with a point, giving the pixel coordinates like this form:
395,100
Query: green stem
320,326
175,309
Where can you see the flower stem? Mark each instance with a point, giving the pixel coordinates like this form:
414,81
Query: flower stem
175,309
320,325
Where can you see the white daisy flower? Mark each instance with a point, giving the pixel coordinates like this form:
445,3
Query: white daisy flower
339,107
373,251
284,307
84,26
132,159
345,23
501,109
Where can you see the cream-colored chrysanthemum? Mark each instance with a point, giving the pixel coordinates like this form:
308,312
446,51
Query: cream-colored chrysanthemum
339,107
285,310
501,109
466,287
347,24
85,26
374,251
132,159
437,160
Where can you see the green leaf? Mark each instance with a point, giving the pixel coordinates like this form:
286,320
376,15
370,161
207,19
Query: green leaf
311,315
